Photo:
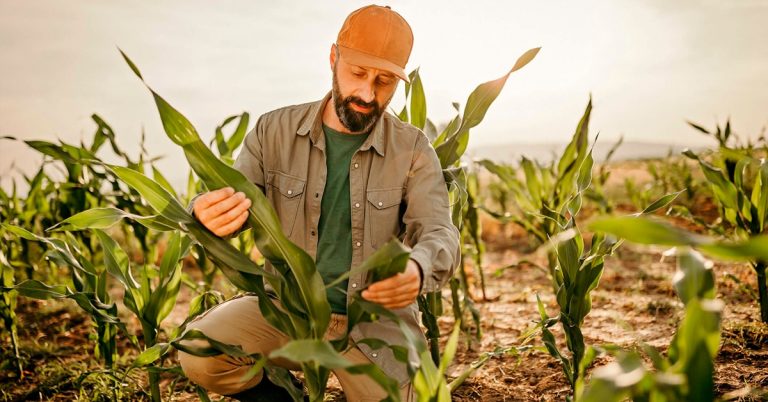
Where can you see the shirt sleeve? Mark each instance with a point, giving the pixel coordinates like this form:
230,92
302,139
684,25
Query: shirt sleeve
429,230
250,161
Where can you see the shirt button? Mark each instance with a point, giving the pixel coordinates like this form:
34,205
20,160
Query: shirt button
312,232
374,354
357,205
290,192
354,285
358,244
317,195
380,203
356,165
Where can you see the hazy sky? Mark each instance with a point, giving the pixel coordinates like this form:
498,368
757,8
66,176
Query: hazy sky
649,66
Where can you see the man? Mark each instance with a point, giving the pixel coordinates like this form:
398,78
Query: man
344,176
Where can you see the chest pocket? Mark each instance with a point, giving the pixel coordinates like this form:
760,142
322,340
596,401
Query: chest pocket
383,215
285,193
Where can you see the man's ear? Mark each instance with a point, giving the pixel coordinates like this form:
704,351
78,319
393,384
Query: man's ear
332,57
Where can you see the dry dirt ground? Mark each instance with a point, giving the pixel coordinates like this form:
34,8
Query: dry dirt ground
634,303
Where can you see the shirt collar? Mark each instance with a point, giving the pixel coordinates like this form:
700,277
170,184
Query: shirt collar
313,126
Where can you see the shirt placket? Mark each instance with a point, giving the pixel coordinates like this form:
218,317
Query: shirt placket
357,200
318,171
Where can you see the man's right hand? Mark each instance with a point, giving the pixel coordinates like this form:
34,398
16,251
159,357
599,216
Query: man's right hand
222,211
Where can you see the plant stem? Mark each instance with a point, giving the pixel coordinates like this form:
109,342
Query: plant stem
762,288
150,338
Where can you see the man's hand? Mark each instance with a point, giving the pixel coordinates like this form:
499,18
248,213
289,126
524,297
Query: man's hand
397,291
222,211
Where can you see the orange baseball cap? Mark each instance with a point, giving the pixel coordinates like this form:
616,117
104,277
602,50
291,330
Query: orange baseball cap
377,37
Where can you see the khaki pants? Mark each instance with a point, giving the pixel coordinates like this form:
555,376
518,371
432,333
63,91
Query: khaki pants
238,321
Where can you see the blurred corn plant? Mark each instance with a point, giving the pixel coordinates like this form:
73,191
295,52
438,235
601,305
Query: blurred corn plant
450,145
550,198
742,195
68,181
87,286
687,373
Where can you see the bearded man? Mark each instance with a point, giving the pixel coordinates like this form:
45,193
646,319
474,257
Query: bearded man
344,177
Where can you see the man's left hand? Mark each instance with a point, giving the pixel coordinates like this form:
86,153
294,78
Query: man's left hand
397,291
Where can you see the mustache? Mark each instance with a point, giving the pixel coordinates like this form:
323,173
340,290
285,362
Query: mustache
360,102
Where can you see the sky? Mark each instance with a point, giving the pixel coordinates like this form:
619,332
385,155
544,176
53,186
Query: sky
648,65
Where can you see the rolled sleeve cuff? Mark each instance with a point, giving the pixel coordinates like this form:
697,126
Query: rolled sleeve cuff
428,282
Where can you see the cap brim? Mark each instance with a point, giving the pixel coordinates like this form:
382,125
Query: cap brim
359,58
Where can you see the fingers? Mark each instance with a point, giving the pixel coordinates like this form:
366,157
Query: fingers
400,300
212,197
214,211
230,215
231,227
395,292
222,211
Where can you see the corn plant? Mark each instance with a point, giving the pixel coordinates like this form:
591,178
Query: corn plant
743,201
686,374
87,287
551,198
8,307
450,145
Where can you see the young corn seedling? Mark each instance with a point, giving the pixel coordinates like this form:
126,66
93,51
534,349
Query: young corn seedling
551,199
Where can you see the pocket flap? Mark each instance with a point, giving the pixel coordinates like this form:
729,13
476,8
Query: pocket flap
288,186
381,199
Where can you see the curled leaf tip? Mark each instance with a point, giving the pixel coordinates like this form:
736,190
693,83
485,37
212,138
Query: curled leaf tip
130,64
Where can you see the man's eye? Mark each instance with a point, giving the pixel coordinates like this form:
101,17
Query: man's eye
385,82
358,74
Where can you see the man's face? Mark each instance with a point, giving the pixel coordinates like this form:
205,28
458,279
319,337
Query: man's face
361,94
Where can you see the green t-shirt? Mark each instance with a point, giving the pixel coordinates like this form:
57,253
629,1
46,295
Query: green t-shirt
334,247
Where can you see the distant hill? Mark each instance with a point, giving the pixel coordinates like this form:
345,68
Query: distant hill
545,152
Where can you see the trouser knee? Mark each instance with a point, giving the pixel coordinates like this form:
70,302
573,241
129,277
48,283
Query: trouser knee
216,373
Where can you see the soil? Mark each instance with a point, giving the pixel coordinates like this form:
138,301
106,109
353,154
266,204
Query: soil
634,303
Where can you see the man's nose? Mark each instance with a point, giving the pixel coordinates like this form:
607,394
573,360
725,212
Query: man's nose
367,93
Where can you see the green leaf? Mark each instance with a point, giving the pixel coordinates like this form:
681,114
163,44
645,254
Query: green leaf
661,203
151,355
38,290
386,261
694,279
450,150
158,197
130,64
104,218
418,100
644,230
158,176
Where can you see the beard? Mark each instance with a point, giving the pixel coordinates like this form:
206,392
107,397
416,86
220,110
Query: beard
354,121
